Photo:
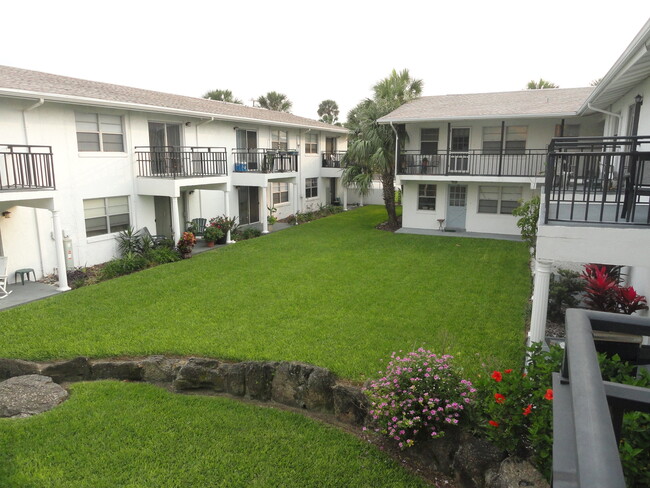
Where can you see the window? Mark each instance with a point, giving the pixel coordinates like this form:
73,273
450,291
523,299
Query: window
279,139
498,199
311,143
311,187
429,141
99,132
515,140
426,197
570,130
280,192
106,215
246,139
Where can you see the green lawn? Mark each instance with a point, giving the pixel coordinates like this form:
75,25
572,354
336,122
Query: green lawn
111,434
334,292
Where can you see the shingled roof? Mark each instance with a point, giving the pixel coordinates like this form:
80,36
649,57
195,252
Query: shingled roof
522,103
22,82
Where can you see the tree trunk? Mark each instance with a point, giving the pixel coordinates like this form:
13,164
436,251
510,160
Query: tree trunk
388,183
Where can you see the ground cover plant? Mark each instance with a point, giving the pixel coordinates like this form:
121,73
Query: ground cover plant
334,292
111,434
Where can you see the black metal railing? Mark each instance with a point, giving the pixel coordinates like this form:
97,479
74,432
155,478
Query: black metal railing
181,161
25,167
587,411
475,162
598,180
265,160
332,159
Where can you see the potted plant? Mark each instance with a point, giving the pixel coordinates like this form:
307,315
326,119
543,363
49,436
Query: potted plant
212,234
186,244
271,219
224,224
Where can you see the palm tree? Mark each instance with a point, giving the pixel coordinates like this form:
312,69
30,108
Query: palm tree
222,96
275,101
328,111
540,85
371,150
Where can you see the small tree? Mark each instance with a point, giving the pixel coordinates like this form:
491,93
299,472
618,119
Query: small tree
275,101
328,111
222,96
529,213
541,84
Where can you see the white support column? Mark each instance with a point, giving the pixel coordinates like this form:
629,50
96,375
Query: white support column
360,199
175,223
540,301
345,198
264,212
226,205
60,253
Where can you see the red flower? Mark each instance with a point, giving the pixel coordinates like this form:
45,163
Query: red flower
499,398
507,371
493,423
528,410
496,376
548,395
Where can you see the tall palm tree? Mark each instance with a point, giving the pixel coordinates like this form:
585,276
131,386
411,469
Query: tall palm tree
371,150
275,101
541,84
222,96
328,111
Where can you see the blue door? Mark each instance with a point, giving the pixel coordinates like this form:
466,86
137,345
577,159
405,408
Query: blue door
457,207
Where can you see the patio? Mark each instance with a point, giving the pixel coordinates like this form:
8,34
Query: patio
29,292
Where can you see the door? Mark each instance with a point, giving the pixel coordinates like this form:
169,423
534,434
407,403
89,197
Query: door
457,207
163,215
246,154
332,198
459,150
249,204
165,143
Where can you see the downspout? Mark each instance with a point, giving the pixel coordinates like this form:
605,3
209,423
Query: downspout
396,145
596,109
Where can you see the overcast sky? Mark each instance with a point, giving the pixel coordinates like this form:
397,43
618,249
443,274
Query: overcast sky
313,51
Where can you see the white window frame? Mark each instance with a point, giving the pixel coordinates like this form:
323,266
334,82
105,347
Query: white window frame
279,193
107,204
311,187
428,192
503,206
280,139
311,143
102,124
513,137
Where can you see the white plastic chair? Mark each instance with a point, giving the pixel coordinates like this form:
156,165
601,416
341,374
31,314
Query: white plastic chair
3,277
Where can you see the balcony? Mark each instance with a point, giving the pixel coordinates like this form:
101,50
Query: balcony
598,180
475,162
265,160
26,168
181,161
332,159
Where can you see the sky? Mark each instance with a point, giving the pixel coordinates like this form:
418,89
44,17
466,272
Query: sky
312,51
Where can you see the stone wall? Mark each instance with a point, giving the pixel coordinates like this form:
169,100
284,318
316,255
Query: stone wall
473,462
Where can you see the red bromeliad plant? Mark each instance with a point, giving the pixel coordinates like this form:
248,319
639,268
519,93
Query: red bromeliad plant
603,291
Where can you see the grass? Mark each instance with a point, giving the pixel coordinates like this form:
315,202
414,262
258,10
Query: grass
335,292
111,434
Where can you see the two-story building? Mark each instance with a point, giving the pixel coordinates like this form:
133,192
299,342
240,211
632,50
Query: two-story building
82,160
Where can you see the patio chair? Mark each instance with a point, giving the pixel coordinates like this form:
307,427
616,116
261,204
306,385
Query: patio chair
3,277
156,239
199,224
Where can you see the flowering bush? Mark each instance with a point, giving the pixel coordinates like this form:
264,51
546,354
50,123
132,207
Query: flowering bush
603,291
186,243
418,397
224,223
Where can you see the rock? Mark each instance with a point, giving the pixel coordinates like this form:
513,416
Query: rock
76,369
516,473
17,367
118,370
23,396
474,458
159,369
290,383
350,404
318,395
259,380
443,450
199,373
235,375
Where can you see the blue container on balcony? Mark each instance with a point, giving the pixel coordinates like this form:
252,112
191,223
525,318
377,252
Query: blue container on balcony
240,167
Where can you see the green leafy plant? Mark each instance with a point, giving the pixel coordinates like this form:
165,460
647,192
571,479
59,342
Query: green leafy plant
564,291
224,223
418,396
271,219
603,291
127,264
529,215
213,233
186,243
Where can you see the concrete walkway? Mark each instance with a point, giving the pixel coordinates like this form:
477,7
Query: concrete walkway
474,235
31,291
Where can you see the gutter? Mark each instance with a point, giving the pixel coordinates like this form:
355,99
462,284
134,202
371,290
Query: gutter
75,100
596,109
478,117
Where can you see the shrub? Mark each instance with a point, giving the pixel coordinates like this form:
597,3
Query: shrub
123,266
418,397
603,291
162,255
563,291
529,213
213,233
224,223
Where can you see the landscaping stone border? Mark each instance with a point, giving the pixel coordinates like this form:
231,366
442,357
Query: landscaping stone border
473,462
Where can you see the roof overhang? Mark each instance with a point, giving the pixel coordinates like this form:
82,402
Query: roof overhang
97,102
384,120
629,70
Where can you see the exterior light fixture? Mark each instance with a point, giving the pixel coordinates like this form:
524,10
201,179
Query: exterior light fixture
6,214
638,99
